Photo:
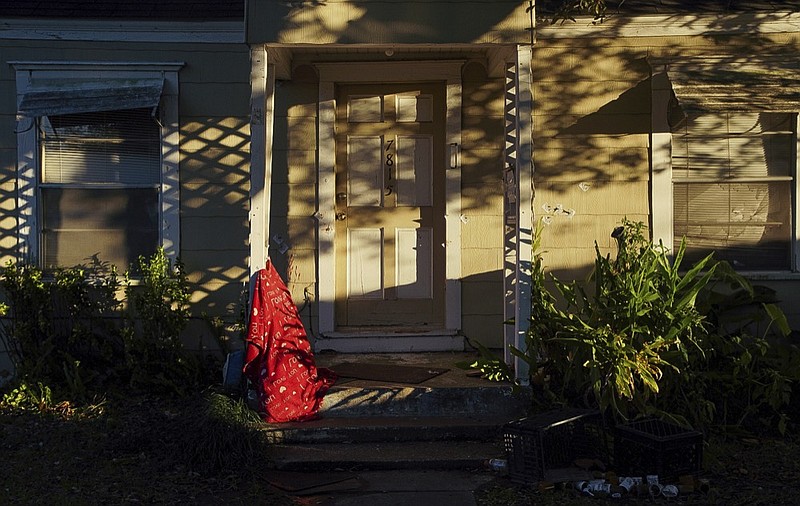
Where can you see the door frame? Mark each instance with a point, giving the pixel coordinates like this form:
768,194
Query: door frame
331,74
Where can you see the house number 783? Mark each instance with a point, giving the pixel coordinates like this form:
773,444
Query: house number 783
389,162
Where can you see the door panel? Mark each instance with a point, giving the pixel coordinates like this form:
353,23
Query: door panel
365,251
414,171
414,263
390,205
365,176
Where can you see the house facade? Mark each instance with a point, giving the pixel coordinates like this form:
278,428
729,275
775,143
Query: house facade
392,158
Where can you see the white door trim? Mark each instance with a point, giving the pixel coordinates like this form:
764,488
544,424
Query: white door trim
525,216
262,113
384,72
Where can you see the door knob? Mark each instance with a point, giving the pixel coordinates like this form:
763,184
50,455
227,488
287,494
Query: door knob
341,216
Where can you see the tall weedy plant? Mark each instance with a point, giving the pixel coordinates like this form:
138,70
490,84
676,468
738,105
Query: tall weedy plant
620,338
644,336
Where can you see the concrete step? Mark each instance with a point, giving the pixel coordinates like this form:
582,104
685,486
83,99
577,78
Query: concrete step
386,429
498,400
385,456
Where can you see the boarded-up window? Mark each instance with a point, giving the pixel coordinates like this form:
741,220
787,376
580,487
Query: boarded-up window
733,180
99,187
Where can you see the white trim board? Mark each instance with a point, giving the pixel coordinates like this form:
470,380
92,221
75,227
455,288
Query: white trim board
201,32
666,25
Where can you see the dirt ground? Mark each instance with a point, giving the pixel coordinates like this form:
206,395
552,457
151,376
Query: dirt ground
138,452
125,454
740,471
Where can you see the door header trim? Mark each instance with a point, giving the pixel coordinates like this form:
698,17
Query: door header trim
383,72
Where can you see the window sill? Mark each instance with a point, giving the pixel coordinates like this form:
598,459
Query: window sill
770,275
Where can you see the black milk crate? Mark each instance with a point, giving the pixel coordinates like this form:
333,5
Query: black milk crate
651,446
553,440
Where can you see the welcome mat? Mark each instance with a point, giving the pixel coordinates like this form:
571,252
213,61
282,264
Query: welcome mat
387,372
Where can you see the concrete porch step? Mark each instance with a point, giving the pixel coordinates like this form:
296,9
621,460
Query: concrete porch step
385,456
498,400
386,429
453,420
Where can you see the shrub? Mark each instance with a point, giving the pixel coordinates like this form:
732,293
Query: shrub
65,331
648,338
158,312
60,330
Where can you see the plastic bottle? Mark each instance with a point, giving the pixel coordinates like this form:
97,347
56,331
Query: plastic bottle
498,464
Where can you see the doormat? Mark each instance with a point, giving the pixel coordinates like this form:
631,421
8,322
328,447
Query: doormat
387,372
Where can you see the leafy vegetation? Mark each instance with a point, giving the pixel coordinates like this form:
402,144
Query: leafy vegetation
561,10
69,332
99,361
646,336
490,366
158,312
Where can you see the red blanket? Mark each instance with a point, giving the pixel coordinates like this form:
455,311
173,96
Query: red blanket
279,362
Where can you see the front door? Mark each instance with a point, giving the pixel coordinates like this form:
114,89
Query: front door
390,206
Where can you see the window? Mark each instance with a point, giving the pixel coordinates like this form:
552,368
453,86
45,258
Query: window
724,166
733,180
99,184
97,162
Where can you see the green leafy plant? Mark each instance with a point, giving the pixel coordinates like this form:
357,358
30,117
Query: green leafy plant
64,328
60,328
647,337
492,367
158,312
25,397
26,331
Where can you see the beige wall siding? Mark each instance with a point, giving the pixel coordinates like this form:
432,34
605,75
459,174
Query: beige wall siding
591,162
214,157
8,164
294,185
482,202
375,22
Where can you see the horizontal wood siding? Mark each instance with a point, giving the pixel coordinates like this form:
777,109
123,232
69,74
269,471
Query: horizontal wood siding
482,206
293,229
389,22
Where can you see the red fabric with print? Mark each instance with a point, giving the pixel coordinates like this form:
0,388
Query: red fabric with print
278,361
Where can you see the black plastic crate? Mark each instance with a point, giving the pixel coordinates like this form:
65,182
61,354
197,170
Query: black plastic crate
553,440
653,446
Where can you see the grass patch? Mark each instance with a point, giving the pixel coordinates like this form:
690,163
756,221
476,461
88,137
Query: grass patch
194,450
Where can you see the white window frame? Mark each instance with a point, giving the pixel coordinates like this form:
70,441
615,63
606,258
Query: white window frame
28,150
661,187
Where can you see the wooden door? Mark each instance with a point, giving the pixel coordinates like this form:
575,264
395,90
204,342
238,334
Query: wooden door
390,226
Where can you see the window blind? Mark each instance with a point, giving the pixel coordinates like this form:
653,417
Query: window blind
116,147
732,188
